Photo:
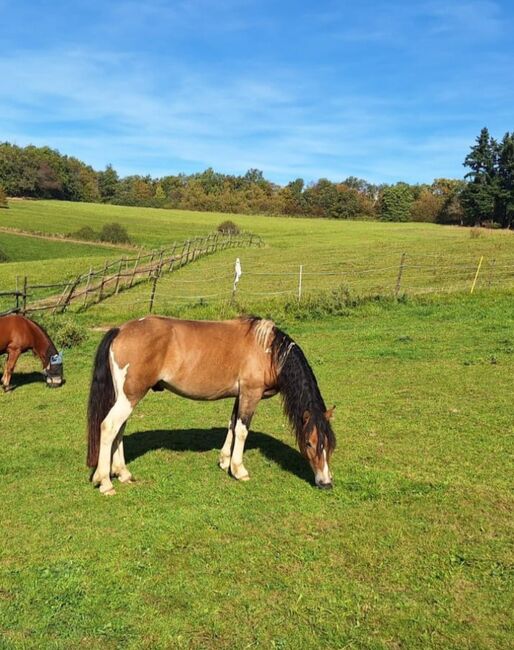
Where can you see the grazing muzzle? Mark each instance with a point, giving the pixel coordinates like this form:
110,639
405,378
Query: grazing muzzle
317,451
54,372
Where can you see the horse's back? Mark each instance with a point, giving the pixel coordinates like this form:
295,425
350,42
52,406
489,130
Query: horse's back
14,331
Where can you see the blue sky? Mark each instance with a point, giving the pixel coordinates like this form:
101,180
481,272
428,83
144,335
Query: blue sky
386,90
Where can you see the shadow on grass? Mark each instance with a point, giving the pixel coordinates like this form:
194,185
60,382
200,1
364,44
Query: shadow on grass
25,378
141,442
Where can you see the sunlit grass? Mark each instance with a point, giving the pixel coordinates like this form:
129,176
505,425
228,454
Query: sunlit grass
411,549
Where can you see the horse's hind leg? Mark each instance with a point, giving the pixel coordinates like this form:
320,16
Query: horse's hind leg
13,355
110,428
119,467
226,450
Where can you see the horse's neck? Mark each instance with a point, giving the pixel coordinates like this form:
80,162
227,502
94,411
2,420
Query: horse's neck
43,345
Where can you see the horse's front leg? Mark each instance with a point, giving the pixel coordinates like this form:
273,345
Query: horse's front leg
13,355
226,450
248,401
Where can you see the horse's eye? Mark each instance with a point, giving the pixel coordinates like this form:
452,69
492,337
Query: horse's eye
309,444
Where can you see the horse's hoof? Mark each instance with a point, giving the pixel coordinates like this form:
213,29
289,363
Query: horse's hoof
223,466
126,477
109,493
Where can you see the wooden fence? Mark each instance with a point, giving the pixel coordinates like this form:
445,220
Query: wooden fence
122,274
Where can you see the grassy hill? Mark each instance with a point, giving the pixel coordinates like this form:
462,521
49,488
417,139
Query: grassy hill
360,257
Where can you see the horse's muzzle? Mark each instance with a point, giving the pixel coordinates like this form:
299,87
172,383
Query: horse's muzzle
324,486
54,382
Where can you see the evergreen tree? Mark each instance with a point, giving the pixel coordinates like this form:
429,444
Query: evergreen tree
108,181
505,200
479,196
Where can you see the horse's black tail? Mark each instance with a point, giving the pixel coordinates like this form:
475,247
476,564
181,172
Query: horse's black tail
101,396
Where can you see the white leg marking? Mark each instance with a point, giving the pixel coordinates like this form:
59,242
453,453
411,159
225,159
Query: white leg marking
111,425
119,468
236,462
224,461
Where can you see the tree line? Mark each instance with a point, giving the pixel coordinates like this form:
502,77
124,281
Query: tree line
485,196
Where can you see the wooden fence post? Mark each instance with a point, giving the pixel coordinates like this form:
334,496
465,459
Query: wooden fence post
61,298
151,262
70,295
101,292
117,287
399,278
17,296
172,257
156,276
88,284
24,308
135,269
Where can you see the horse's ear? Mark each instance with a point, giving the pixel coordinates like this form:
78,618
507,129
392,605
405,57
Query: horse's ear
306,416
330,413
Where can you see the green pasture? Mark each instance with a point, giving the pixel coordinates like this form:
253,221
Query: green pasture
411,549
356,257
21,248
45,261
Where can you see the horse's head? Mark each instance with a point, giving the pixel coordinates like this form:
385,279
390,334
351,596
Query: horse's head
54,371
318,445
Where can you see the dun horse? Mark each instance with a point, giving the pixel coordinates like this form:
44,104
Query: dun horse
19,334
247,359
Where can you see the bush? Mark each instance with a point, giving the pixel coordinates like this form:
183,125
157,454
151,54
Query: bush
64,331
228,228
114,233
86,233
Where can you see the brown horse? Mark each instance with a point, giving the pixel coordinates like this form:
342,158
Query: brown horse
19,334
248,359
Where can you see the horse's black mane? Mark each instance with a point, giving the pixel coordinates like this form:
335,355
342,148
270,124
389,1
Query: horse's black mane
300,392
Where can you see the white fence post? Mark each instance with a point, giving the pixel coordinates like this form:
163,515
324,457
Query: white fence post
238,272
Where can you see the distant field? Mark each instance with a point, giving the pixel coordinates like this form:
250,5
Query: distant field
20,248
45,261
359,257
411,549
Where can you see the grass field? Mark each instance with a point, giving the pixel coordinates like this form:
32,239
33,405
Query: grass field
44,261
20,248
413,548
360,257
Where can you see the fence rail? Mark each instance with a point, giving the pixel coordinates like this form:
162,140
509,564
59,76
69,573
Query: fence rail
119,275
396,273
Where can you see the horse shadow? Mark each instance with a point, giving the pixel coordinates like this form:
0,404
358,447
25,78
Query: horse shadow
141,442
18,380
